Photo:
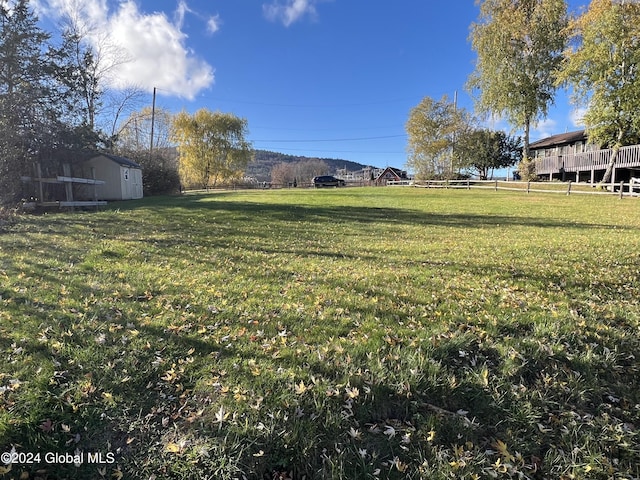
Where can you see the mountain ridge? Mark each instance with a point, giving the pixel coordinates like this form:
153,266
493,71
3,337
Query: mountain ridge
264,160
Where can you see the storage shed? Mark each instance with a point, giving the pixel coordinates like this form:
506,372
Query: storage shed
123,177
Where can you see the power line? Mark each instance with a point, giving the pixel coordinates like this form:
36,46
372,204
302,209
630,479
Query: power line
371,152
354,129
334,139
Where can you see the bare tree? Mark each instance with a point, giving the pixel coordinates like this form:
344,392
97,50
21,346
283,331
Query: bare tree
134,133
92,60
305,170
282,173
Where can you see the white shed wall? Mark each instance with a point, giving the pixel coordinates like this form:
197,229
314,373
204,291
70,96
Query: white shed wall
122,182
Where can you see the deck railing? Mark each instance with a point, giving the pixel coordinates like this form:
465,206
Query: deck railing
585,161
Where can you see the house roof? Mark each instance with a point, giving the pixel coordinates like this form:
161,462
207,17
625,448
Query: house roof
394,171
560,139
125,162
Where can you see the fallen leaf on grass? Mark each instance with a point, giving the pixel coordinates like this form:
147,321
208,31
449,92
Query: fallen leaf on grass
300,388
221,415
172,448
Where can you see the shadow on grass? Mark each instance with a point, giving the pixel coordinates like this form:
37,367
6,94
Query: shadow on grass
327,214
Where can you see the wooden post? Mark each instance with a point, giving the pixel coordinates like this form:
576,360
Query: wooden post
569,188
39,180
95,187
528,186
621,189
468,184
68,186
593,176
496,185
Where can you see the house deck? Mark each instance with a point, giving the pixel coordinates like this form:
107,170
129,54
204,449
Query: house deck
590,165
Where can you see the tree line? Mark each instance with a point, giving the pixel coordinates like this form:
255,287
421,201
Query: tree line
56,105
46,95
527,50
301,172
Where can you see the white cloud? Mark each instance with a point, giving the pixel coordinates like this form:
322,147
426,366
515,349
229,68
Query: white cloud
289,12
213,24
577,117
545,128
146,49
181,11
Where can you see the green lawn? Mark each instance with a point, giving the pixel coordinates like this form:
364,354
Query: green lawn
349,333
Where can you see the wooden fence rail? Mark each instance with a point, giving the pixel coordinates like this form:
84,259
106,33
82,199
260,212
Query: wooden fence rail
622,189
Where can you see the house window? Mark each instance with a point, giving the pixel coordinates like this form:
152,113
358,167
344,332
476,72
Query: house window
125,174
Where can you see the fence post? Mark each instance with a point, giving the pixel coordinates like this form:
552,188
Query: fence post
468,184
621,189
68,186
569,188
496,185
40,182
528,186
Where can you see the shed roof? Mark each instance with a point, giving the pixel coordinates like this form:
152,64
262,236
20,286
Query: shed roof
559,140
125,162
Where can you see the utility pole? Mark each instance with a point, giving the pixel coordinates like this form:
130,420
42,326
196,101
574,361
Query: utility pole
453,137
153,119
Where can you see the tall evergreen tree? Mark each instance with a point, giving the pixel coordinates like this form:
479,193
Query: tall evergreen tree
25,93
47,96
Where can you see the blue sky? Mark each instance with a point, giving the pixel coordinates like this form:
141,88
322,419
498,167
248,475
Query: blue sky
321,78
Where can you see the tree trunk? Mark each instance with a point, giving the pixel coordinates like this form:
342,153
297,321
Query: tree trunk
612,160
612,163
527,134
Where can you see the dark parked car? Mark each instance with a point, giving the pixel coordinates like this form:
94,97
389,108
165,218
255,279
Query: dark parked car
328,181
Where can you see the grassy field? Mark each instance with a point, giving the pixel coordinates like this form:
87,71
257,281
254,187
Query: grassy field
350,333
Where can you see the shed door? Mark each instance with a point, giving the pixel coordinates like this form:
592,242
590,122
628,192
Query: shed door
136,183
125,181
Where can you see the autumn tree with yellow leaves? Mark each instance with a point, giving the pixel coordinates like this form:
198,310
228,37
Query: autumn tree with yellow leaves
602,65
212,147
519,46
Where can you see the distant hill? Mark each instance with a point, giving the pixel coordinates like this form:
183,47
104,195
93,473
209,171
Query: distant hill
264,161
